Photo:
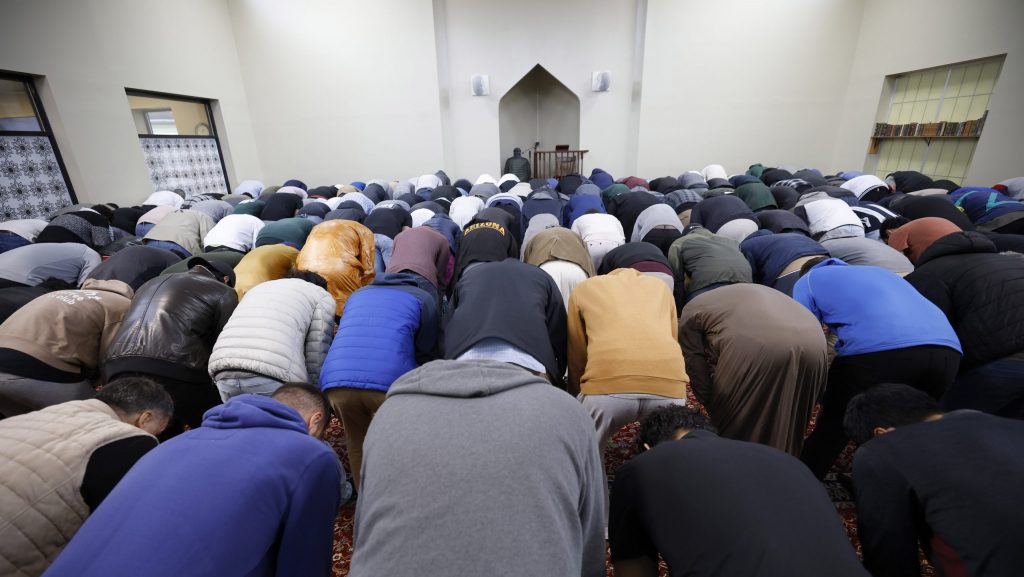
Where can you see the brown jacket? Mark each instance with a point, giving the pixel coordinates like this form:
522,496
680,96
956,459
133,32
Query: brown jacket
622,337
69,330
341,251
43,456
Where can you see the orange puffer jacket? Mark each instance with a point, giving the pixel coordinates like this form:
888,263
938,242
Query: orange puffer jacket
341,251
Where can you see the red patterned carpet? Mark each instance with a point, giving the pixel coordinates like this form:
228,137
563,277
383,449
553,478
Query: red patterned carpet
620,449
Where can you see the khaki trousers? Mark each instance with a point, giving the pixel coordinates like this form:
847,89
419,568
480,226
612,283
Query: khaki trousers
355,408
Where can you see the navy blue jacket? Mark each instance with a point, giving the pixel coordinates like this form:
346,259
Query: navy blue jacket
769,254
579,205
389,328
248,493
543,201
713,212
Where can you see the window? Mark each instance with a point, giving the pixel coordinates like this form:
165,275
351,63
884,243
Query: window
954,95
33,181
17,112
179,142
161,116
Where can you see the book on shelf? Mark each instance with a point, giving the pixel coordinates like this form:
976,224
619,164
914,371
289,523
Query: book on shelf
966,128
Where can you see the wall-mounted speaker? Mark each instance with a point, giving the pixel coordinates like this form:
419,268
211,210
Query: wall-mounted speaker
601,81
480,85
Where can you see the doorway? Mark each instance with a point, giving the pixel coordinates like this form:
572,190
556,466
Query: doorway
538,111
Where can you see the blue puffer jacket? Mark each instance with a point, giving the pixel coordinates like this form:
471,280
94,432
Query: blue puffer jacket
388,329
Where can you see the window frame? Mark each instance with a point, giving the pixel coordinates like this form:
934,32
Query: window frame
29,81
209,116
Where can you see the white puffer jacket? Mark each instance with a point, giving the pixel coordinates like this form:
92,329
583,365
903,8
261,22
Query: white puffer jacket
281,329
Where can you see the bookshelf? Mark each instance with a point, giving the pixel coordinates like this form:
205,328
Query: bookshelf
877,140
967,130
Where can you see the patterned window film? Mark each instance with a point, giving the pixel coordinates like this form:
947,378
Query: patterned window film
179,142
959,93
33,181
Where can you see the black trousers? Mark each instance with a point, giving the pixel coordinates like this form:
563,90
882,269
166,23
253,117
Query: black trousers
929,368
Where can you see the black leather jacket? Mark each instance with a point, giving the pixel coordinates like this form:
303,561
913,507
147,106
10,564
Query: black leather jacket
171,327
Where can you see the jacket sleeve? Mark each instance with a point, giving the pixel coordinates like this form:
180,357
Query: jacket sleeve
694,345
225,306
556,320
90,260
429,332
577,344
307,534
886,517
319,336
592,510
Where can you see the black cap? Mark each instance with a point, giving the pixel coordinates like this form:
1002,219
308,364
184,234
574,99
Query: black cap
218,268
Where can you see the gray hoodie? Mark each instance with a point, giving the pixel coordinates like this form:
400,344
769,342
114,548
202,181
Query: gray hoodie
479,468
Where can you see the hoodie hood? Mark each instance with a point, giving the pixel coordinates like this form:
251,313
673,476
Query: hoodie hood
601,178
463,379
464,209
506,197
404,279
543,193
484,190
110,286
254,411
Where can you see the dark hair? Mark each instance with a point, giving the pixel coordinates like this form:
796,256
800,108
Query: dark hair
104,210
889,224
886,405
663,424
806,268
134,395
308,276
303,397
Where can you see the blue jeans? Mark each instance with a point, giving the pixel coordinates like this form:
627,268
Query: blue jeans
143,227
11,241
996,388
168,245
254,385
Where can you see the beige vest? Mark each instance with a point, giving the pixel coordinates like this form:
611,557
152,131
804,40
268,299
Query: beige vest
43,456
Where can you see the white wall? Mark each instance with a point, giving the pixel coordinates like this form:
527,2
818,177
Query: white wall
569,38
735,82
89,51
941,32
340,89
